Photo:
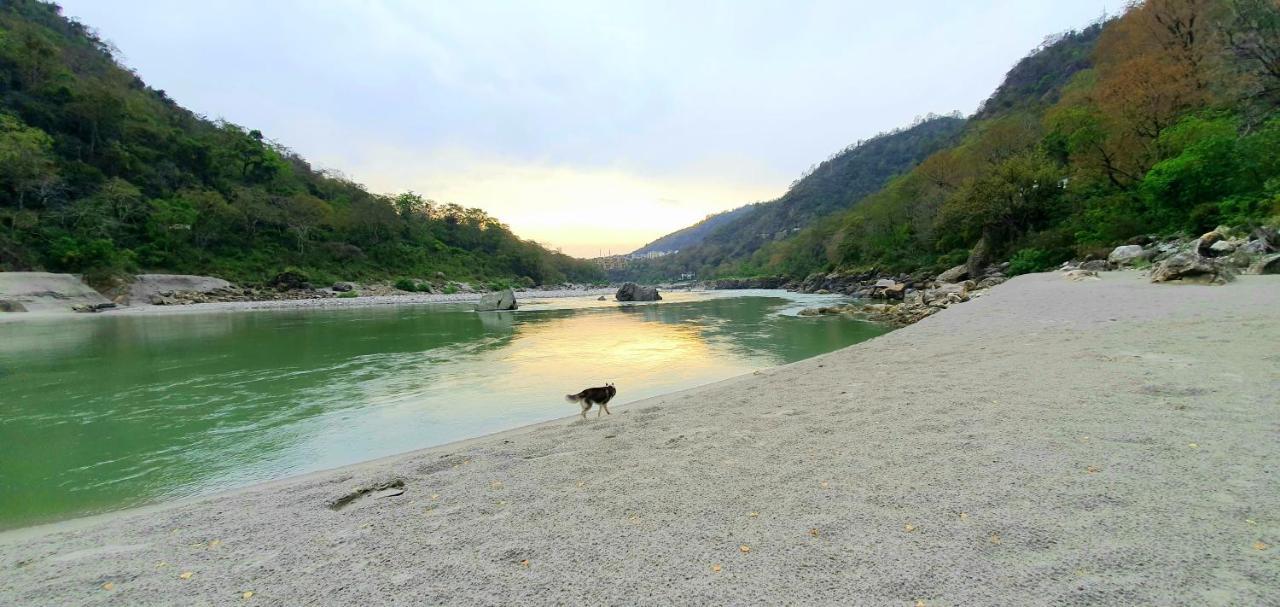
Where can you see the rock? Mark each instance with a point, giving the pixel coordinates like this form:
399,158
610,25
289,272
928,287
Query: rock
439,275
895,291
1126,254
1223,247
1269,237
601,298
290,280
822,292
497,300
1255,247
1190,266
92,307
1267,265
634,292
978,258
1204,244
884,283
1080,275
343,287
1096,265
8,305
955,274
991,281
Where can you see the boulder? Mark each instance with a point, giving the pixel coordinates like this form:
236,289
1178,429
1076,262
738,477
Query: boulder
343,287
955,274
634,292
1126,255
1204,244
1080,275
601,298
497,300
1190,266
1267,265
895,291
1223,247
1096,265
8,305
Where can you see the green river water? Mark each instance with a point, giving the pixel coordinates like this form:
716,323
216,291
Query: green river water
100,413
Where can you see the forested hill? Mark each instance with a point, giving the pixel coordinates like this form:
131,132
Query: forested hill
1162,121
834,184
103,175
696,233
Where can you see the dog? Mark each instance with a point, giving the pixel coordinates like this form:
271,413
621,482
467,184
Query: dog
594,396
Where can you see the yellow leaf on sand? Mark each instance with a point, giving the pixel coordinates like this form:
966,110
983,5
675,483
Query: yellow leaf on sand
214,544
246,595
715,568
524,563
186,575
920,604
1093,469
109,586
909,528
744,548
754,514
825,484
964,515
582,483
1251,521
435,496
1193,445
814,532
1260,545
995,538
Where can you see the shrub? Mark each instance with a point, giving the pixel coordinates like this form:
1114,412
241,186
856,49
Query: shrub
1027,261
450,289
404,284
348,294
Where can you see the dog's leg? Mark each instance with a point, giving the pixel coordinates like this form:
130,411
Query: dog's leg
599,409
585,406
606,409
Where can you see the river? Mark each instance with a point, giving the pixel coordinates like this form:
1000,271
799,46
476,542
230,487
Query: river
101,413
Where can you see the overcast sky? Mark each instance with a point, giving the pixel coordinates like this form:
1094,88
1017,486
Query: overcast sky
591,126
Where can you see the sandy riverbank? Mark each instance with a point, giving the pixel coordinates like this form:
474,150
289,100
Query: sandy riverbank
326,303
1054,442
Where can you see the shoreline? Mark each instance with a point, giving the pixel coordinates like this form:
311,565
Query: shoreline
899,469
325,303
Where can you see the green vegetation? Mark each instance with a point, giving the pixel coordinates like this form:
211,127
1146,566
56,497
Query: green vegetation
101,174
348,295
1161,121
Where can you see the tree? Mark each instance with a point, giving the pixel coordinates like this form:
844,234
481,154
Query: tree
26,159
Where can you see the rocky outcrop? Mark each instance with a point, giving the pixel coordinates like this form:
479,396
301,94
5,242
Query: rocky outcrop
47,292
343,287
146,286
1267,265
634,292
497,300
11,306
1190,266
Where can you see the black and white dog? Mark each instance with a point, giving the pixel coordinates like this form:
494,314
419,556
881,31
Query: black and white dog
594,396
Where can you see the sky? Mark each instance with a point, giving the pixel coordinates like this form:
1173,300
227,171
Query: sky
589,126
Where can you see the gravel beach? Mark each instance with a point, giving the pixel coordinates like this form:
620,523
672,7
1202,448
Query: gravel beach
1106,442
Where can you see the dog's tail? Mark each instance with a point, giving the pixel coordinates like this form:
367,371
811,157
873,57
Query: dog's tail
573,398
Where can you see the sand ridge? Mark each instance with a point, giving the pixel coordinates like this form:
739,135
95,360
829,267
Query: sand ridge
1051,443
